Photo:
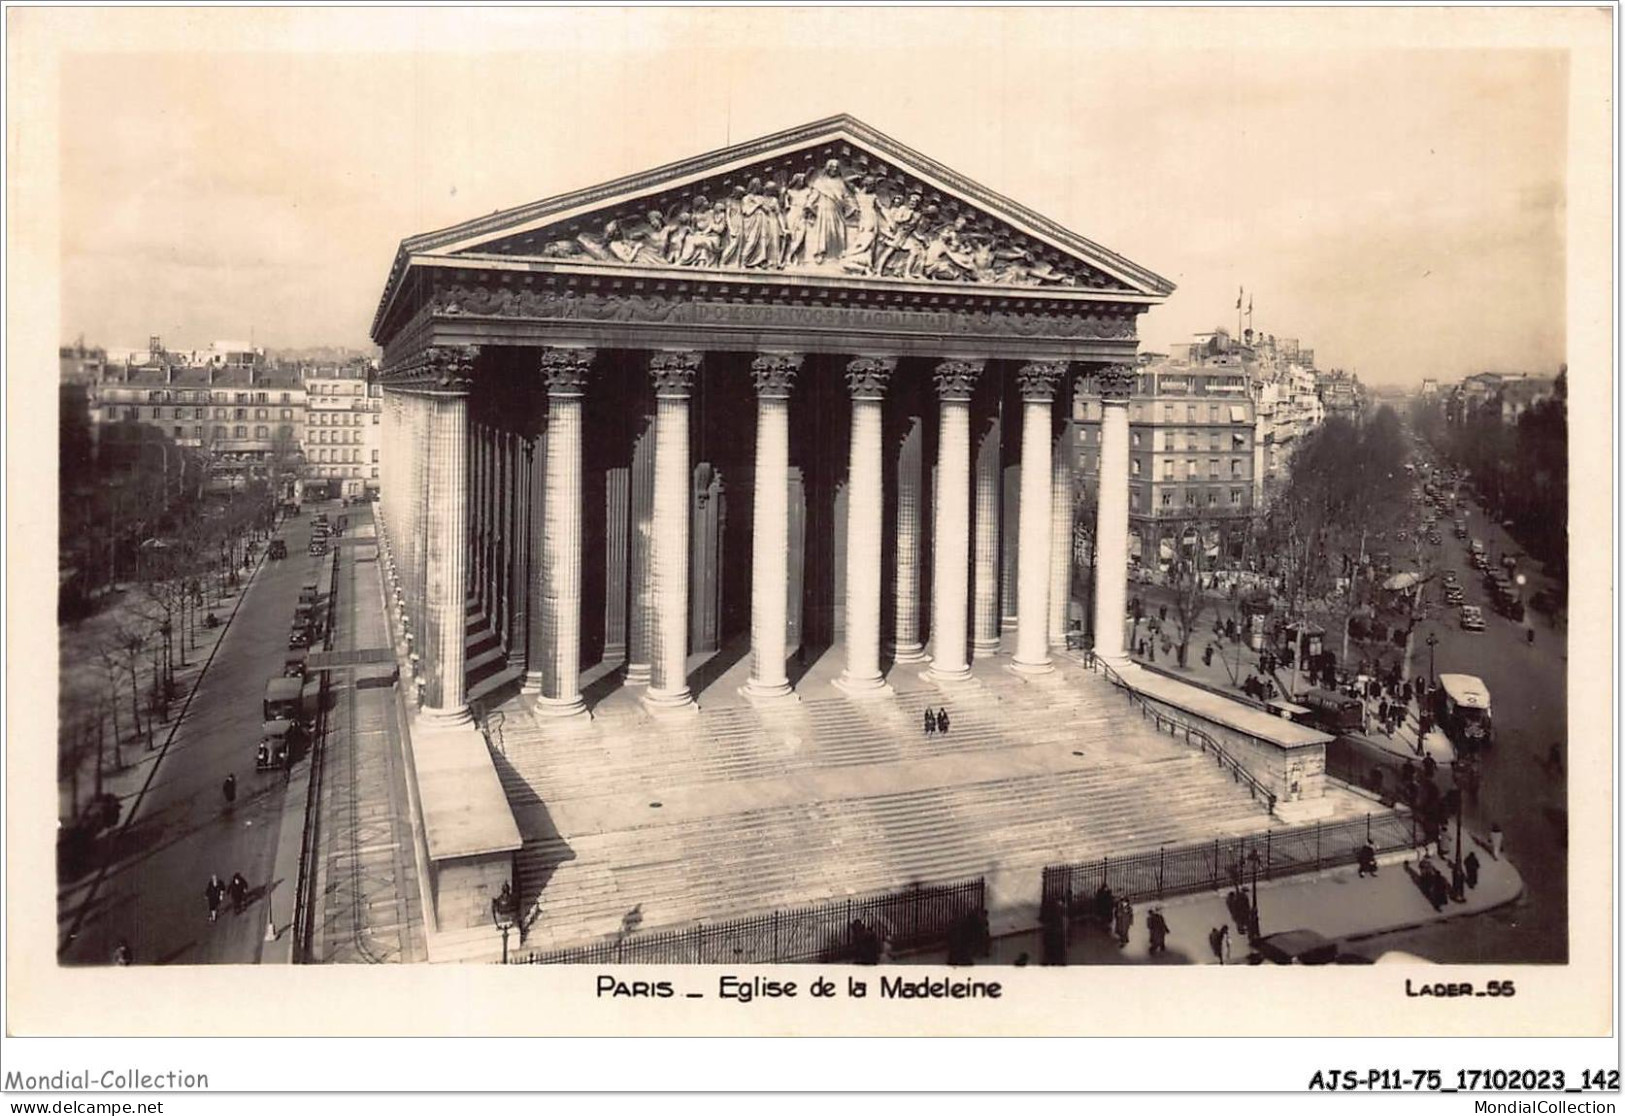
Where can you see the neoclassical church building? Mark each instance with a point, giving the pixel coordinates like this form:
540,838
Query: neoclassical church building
782,418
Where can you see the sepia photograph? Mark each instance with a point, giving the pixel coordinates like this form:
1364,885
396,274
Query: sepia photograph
906,495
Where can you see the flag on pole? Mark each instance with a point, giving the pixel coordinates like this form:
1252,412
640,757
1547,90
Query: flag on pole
1238,298
1249,306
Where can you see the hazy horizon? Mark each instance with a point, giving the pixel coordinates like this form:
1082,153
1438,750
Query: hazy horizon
1400,212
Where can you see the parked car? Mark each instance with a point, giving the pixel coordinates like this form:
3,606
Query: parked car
278,549
1472,618
1294,947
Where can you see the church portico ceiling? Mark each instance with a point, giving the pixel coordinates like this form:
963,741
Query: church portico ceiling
833,214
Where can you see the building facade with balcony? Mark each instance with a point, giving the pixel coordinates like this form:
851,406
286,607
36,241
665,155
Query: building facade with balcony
241,418
1192,461
342,431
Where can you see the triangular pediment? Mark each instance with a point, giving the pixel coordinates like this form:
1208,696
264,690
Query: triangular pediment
833,198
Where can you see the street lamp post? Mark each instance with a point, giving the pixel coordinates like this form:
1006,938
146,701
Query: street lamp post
503,909
1456,878
1252,857
1433,641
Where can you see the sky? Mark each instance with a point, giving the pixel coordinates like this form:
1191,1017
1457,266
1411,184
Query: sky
1400,209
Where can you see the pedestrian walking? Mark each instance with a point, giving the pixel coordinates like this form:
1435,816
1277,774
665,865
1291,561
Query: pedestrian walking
238,890
1157,927
214,892
122,954
942,721
1429,766
1470,867
930,721
1105,905
1497,839
1123,920
229,789
1368,860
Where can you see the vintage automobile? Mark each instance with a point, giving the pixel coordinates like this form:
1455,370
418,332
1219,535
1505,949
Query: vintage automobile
284,700
277,550
276,745
1333,712
1462,703
1472,618
293,664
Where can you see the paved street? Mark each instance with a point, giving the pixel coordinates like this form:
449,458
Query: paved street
151,893
1519,791
1529,800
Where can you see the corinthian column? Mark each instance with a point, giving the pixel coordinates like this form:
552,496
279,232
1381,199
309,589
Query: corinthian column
906,645
565,371
673,375
1038,381
774,375
1111,524
866,381
985,634
950,576
1060,544
451,371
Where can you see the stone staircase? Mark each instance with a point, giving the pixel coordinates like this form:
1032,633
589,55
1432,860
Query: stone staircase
758,860
792,803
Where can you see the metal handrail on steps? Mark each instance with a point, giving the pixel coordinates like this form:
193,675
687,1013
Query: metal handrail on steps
1170,723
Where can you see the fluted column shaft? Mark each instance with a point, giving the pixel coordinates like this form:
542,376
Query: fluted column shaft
907,645
447,566
673,375
1060,553
867,379
950,578
537,665
640,599
565,371
1038,382
774,376
989,520
1111,525
519,620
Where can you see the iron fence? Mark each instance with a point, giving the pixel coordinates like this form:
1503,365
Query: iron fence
1225,862
1168,721
918,918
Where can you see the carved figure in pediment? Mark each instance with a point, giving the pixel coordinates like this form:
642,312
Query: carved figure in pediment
832,208
733,223
708,229
798,213
947,256
639,242
860,248
597,246
899,234
762,227
562,250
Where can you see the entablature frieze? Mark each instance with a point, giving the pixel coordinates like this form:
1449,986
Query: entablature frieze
530,310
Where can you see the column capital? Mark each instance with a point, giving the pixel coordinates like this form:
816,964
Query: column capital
565,370
1115,382
868,377
447,367
956,379
1039,379
673,373
774,374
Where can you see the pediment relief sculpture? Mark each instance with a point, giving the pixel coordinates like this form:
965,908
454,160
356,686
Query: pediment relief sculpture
852,215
